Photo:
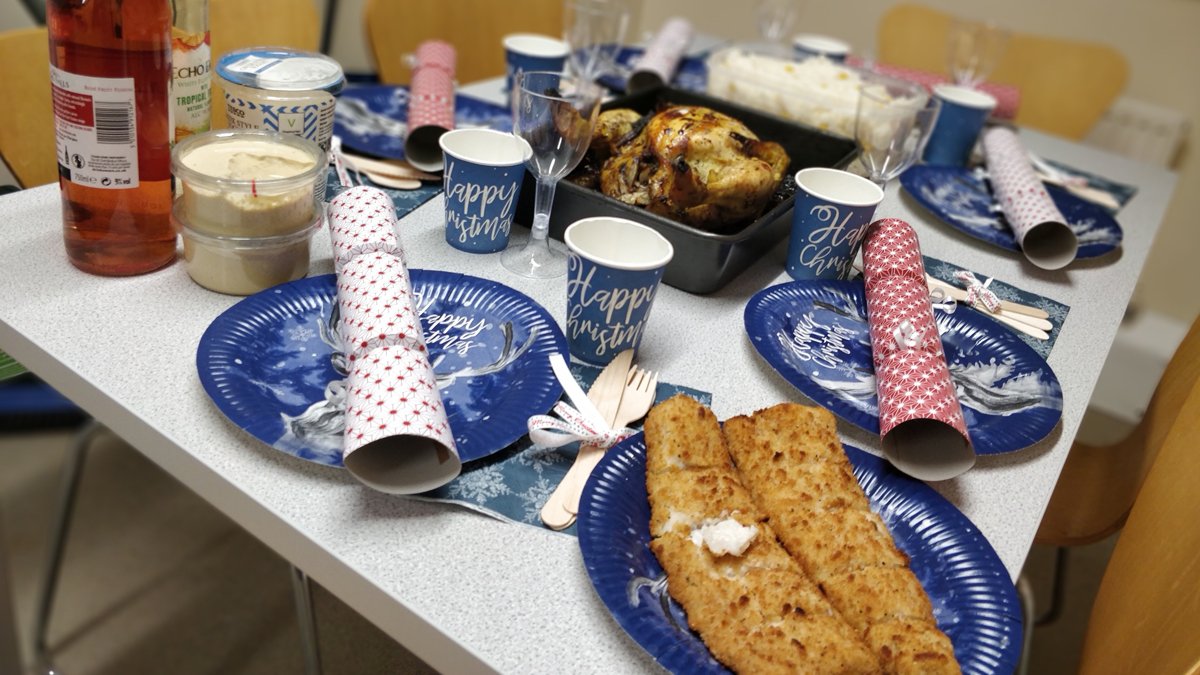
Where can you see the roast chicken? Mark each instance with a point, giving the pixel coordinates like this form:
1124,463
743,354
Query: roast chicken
691,164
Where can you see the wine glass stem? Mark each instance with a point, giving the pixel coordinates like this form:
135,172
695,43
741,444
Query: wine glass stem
542,201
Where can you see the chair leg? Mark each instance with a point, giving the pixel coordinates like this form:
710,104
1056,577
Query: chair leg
1025,593
10,655
307,619
52,566
1058,591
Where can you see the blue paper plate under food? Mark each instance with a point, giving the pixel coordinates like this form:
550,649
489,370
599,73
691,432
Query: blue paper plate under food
273,363
373,119
963,200
815,334
974,600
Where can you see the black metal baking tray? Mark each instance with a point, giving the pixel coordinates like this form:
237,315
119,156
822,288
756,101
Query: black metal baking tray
704,262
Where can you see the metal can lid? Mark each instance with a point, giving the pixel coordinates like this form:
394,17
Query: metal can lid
282,69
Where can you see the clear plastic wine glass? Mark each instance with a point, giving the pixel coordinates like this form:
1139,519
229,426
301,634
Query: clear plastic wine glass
892,125
594,31
776,19
973,50
556,114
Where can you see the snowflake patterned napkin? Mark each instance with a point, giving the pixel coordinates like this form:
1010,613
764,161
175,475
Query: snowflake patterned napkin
362,220
921,424
397,438
430,104
513,484
1042,231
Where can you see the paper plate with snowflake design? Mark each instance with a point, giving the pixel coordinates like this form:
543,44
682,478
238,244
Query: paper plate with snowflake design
974,600
962,198
374,118
815,334
273,365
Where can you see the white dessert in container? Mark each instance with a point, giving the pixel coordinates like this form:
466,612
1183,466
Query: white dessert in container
245,265
244,183
246,208
818,92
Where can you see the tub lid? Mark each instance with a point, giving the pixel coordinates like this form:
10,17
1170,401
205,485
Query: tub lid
282,69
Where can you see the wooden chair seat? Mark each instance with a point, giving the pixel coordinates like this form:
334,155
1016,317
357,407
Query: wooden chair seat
475,28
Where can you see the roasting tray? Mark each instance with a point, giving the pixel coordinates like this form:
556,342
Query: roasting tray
704,262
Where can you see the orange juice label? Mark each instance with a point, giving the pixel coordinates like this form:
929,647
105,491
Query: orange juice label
191,81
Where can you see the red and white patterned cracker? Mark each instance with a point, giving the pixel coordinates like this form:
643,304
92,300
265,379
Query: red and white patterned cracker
376,304
915,384
658,63
1021,194
1026,203
431,89
911,376
394,409
898,298
362,220
890,247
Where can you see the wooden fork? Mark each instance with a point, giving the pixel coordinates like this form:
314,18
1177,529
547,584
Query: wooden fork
635,403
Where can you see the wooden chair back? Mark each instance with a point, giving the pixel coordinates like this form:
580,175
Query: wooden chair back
27,120
237,24
475,27
1097,486
1066,85
1146,618
27,117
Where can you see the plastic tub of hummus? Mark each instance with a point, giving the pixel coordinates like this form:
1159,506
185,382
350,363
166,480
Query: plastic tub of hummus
244,183
247,264
246,208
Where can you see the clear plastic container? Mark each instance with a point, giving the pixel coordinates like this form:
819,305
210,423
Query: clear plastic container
281,89
247,264
818,92
247,183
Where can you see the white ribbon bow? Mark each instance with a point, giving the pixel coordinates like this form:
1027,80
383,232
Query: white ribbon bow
978,292
906,335
570,426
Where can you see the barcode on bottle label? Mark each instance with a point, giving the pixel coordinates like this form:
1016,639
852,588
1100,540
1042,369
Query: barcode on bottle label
114,122
95,128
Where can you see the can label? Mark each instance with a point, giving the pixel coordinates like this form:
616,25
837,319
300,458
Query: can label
95,129
313,121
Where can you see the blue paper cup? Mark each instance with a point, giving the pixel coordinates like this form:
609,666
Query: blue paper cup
527,51
614,267
807,45
830,216
963,112
483,173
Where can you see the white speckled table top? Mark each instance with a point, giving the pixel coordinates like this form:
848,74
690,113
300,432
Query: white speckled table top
463,591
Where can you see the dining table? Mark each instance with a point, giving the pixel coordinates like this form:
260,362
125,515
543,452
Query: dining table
463,591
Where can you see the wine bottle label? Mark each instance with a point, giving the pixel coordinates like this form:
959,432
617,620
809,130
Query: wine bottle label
95,128
191,61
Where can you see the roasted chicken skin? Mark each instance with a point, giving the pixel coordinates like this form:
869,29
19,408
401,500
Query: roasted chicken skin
693,165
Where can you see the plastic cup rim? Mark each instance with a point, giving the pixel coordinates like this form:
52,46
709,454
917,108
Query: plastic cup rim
654,264
857,180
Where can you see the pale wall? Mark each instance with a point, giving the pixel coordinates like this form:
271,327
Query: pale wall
1157,36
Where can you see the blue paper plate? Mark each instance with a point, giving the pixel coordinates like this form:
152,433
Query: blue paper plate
815,334
964,201
691,74
974,600
268,363
372,119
